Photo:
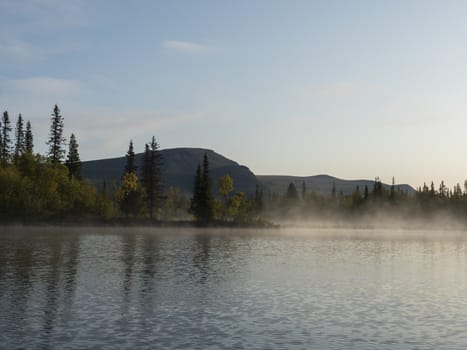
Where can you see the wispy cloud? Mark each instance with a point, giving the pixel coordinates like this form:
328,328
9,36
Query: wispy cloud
43,86
185,47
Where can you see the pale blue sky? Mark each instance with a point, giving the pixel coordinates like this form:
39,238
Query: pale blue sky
355,89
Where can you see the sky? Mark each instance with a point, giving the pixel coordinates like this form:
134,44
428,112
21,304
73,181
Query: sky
353,89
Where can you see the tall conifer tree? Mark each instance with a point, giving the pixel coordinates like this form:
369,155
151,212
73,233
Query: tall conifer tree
258,198
202,200
207,204
20,138
151,176
130,166
197,194
73,163
131,200
6,139
56,140
28,139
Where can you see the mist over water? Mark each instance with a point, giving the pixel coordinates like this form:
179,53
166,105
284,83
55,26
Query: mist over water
291,288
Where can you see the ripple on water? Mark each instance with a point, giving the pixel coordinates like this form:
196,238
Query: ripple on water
230,291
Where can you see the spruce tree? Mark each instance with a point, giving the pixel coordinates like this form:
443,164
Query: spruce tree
130,194
197,194
258,198
378,187
73,162
333,190
146,166
202,200
56,140
6,140
292,194
20,138
151,176
28,139
207,206
130,166
392,191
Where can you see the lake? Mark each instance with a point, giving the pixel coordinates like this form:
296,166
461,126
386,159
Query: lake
110,288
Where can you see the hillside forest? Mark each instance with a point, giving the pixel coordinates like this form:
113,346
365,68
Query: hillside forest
50,188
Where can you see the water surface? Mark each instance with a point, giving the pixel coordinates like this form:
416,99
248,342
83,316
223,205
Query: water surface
232,289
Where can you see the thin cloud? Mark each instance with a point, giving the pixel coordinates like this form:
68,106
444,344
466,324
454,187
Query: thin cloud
185,47
43,86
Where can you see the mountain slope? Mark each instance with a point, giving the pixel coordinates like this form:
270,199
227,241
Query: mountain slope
179,168
320,183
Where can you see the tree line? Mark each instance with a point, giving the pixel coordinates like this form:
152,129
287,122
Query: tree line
141,194
50,187
35,186
423,203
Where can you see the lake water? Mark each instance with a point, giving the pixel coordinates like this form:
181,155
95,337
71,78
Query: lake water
106,288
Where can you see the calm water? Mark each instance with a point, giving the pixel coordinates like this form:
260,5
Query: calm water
302,289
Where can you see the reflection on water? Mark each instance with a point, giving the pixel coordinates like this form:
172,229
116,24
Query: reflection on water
110,288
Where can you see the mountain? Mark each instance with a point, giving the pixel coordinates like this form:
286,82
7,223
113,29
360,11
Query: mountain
179,167
320,183
178,170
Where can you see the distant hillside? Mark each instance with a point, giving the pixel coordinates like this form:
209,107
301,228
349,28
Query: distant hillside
320,184
179,167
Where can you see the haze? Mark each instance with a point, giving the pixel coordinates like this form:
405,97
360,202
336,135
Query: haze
354,89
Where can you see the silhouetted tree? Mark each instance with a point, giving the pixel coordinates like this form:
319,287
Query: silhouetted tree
258,198
443,191
432,189
292,194
365,192
130,166
425,188
392,191
20,146
457,192
303,190
56,140
197,194
6,139
28,139
202,200
378,188
152,176
73,163
333,190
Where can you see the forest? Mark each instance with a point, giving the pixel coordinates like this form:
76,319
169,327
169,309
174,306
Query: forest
50,188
